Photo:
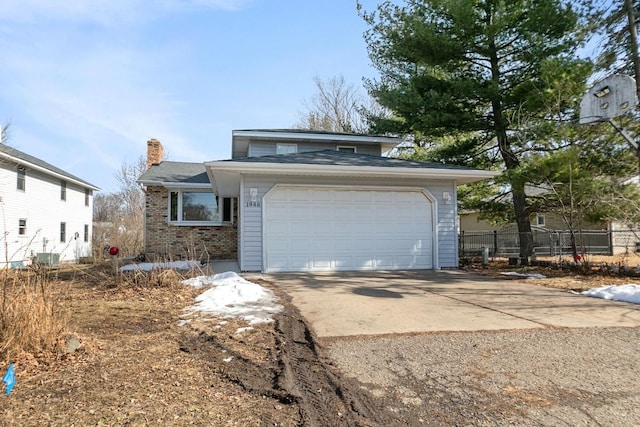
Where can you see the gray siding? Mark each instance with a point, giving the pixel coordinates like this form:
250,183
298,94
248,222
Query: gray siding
251,217
268,148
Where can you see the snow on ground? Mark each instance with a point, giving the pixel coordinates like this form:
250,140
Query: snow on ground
629,292
229,295
149,266
233,296
528,276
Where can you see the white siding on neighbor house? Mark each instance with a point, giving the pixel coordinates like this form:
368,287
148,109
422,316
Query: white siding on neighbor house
268,148
41,205
251,215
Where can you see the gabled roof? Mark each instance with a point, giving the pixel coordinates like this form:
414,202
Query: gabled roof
176,174
240,138
18,157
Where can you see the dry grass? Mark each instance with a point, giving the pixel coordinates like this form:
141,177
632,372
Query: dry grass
32,319
136,365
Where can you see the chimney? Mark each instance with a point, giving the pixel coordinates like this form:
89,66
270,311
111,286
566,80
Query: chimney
155,152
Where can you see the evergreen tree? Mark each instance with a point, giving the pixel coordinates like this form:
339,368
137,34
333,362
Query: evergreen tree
459,75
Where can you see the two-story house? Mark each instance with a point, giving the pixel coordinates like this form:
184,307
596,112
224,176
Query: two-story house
296,200
46,212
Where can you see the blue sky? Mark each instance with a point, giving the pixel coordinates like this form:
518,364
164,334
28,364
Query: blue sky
85,84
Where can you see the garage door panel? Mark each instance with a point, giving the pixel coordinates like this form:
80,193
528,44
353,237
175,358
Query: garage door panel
385,262
319,246
321,264
337,229
342,246
280,245
323,212
300,245
296,228
278,228
344,263
321,228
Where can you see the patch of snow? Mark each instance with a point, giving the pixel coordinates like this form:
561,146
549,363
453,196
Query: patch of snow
228,359
629,292
149,266
233,296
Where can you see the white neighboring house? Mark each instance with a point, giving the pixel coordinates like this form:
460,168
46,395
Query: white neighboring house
45,212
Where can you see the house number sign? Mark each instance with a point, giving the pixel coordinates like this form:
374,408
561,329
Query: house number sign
253,203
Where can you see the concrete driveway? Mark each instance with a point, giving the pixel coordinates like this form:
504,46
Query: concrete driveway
375,303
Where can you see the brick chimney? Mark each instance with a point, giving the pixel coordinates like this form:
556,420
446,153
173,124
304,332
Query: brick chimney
155,152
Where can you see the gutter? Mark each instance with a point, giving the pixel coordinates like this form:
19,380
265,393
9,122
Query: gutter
364,171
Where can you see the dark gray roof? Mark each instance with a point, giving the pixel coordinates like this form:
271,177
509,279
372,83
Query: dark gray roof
342,158
179,172
29,159
311,132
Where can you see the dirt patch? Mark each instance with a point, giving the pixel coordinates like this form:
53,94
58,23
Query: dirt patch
137,365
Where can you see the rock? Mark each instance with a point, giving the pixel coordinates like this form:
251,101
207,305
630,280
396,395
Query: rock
72,345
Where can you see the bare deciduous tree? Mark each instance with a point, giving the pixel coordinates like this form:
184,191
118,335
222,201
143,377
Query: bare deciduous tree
119,216
336,107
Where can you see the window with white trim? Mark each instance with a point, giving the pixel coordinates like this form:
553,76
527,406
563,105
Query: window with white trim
63,190
540,220
286,148
22,227
22,174
198,207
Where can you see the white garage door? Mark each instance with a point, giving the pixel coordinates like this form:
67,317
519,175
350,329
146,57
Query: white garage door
323,229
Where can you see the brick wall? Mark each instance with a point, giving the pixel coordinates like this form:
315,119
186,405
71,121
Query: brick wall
169,242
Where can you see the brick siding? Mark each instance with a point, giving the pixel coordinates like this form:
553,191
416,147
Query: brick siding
169,242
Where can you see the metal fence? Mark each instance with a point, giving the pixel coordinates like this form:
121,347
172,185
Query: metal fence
549,243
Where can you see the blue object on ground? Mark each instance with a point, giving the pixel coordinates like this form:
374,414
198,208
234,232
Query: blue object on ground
9,378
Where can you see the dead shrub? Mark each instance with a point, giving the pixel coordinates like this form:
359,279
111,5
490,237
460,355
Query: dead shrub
156,278
32,319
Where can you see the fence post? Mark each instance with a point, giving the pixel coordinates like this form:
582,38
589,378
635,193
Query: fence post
610,233
495,243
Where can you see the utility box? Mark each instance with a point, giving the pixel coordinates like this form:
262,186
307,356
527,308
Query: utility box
48,258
